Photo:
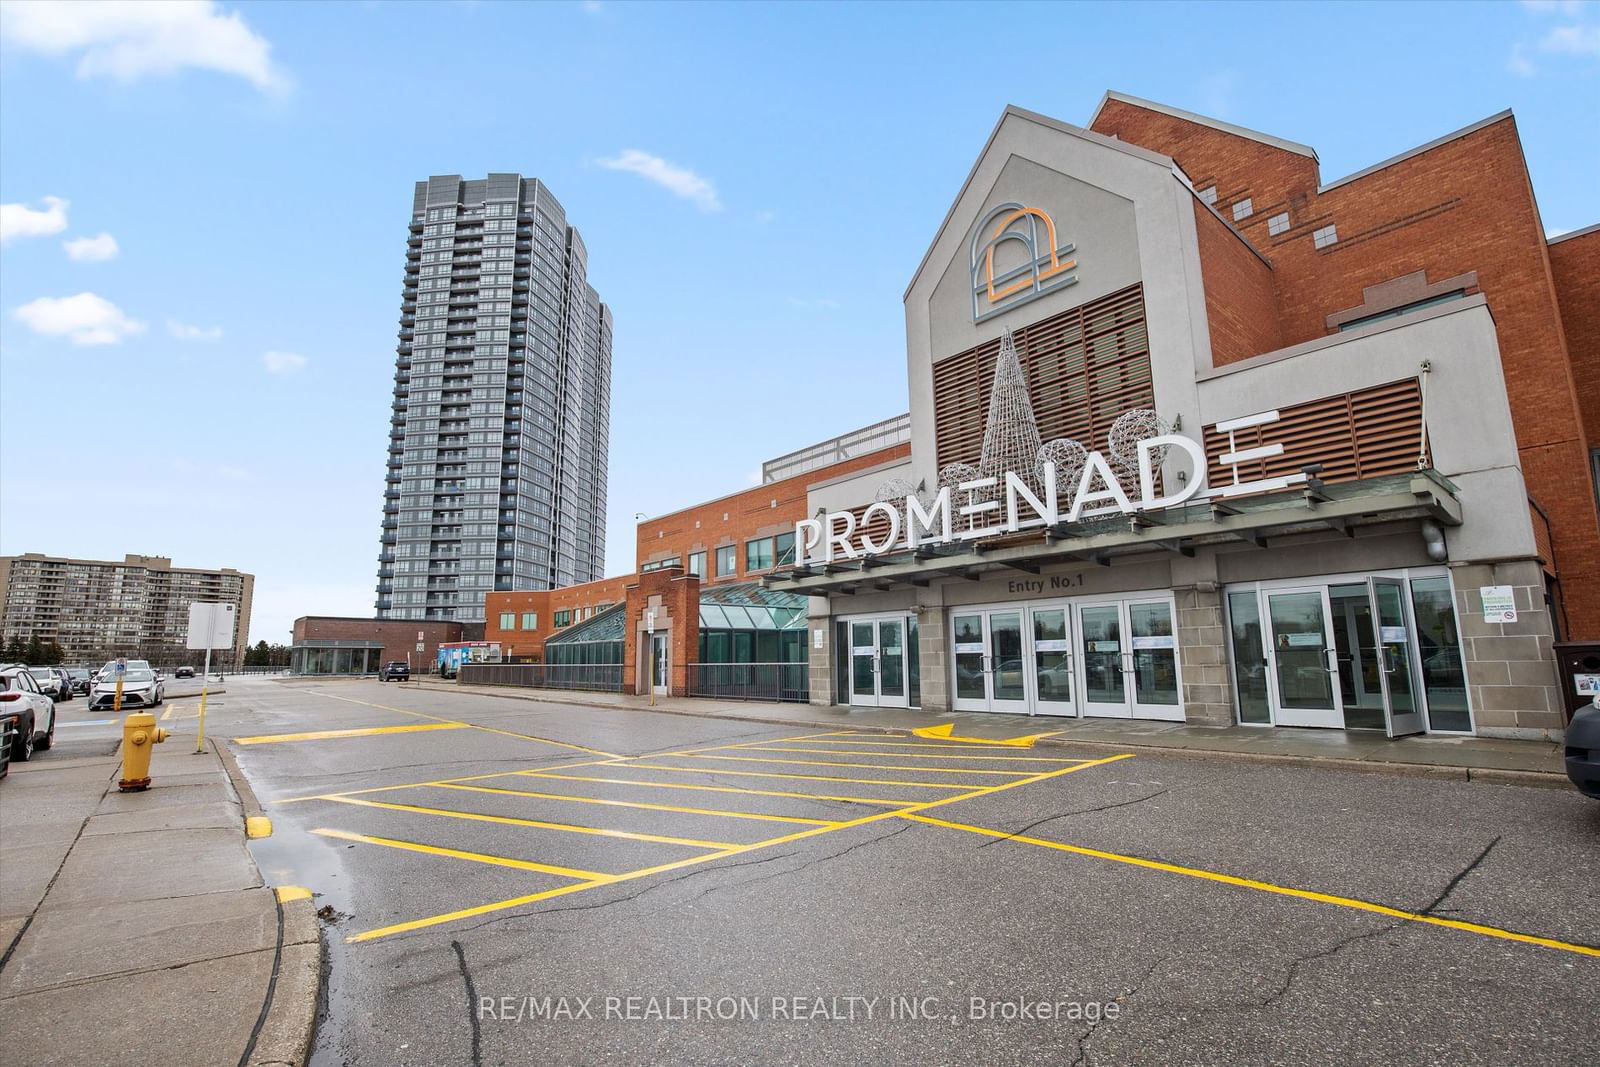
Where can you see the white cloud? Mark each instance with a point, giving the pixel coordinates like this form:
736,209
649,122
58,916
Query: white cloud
133,38
20,220
1519,64
91,249
183,331
282,362
85,319
1572,40
675,179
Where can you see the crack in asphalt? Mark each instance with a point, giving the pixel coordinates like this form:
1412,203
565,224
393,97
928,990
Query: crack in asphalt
472,1004
1292,973
1129,992
1069,814
902,828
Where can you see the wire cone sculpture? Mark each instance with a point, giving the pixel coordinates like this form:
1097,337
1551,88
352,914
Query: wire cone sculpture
1011,436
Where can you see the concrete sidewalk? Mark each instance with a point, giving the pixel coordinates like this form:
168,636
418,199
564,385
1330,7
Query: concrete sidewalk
136,928
1539,763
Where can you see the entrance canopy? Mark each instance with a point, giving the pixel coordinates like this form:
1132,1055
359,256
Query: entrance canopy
1311,507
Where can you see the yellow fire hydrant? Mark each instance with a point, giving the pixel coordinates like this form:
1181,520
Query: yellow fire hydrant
139,732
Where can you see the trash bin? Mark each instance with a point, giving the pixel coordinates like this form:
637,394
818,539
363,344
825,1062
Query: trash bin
1578,669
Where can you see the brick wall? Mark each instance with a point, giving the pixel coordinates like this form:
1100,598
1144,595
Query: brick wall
1575,266
522,644
1465,205
1241,296
764,510
399,636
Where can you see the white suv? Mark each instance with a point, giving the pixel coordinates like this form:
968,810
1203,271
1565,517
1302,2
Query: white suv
35,713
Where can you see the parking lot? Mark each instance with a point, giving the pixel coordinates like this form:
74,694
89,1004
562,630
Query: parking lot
500,875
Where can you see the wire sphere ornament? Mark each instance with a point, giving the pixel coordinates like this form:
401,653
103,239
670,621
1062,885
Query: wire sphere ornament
953,474
894,491
1069,458
1125,434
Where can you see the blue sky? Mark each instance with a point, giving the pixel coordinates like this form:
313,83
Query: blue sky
221,393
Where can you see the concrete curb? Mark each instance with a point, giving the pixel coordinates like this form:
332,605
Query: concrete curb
1494,776
289,1018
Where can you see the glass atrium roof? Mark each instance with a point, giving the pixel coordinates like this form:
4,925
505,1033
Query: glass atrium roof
606,626
750,606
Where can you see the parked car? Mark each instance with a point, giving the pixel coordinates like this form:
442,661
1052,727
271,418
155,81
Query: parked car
141,688
183,672
49,682
66,683
396,671
81,681
35,727
1583,749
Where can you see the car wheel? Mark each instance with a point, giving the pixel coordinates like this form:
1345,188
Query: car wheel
22,744
49,738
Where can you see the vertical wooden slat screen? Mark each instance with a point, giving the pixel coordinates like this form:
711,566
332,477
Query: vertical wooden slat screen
1364,434
1084,367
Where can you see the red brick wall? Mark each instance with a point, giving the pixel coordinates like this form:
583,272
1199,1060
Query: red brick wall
529,644
1241,297
1465,205
763,510
399,636
677,600
1575,264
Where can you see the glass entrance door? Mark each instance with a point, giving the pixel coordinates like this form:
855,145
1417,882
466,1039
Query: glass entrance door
1401,712
878,663
1052,661
1130,660
991,661
1105,690
660,667
1304,674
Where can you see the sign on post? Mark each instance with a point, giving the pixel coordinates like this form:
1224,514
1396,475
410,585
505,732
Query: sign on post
210,626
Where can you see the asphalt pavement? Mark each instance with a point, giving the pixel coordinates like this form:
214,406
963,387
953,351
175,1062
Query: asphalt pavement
507,882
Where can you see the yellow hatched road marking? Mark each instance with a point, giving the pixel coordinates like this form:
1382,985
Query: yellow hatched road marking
800,777
909,742
863,766
713,789
515,902
475,857
1263,887
434,781
638,804
175,709
536,824
323,735
472,725
908,755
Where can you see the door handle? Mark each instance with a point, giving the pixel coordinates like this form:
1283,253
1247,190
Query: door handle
1330,661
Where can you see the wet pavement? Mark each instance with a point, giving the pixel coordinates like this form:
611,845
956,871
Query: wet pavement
513,882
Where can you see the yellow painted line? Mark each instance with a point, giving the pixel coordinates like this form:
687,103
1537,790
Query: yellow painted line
716,789
920,746
802,777
862,766
475,726
257,826
371,731
475,857
908,755
286,893
639,804
945,732
432,781
1266,887
564,827
516,902
171,711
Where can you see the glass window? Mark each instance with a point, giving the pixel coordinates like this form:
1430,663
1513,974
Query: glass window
1325,236
1439,648
1278,223
785,548
1249,657
1209,194
530,620
697,564
758,554
508,620
727,560
1243,209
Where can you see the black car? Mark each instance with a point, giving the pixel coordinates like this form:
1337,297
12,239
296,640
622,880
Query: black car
183,672
81,680
396,671
1583,750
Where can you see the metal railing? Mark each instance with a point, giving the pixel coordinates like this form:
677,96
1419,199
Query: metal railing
597,677
788,682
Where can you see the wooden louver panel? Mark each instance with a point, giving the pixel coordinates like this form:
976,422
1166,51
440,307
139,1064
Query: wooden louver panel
1364,434
1084,366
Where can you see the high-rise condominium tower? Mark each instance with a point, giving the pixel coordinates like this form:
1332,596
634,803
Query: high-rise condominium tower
502,392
